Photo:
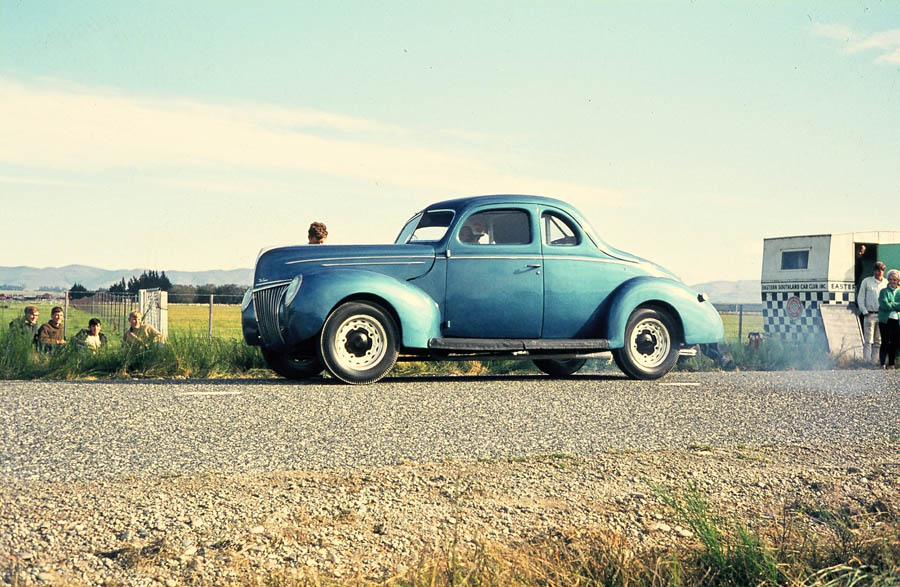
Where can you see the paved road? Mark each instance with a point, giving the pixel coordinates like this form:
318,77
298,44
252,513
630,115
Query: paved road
96,430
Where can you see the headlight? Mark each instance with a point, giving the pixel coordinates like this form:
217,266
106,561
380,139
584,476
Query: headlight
248,297
292,290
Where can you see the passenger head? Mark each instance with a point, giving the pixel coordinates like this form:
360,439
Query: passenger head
879,269
317,233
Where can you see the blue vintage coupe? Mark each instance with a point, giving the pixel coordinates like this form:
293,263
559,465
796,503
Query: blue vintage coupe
487,277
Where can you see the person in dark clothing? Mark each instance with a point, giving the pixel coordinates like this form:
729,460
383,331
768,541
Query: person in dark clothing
50,335
26,325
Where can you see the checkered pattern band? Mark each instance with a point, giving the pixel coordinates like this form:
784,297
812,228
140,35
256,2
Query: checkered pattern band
794,315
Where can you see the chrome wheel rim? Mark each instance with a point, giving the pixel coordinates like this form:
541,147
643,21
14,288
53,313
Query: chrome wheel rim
360,343
650,343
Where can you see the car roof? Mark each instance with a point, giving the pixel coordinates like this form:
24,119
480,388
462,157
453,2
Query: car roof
459,204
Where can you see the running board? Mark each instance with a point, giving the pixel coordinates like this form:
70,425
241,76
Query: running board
519,345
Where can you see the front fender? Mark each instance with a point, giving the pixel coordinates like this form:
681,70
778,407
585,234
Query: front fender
700,322
321,291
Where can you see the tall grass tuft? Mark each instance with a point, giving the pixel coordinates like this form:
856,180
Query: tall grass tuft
183,355
741,559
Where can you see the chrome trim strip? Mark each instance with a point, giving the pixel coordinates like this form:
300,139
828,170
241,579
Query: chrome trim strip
373,263
319,260
270,284
547,258
458,257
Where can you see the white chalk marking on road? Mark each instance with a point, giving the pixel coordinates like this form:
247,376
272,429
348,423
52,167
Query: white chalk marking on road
682,384
206,393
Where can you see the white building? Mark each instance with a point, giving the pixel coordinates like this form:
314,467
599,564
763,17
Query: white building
801,275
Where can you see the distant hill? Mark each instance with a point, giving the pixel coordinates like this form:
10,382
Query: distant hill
745,291
93,278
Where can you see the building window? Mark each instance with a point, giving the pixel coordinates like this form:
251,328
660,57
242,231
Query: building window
794,260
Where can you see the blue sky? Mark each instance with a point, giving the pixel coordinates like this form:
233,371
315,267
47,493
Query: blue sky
188,135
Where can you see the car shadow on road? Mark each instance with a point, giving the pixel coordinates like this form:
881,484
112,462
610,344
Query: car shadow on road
326,380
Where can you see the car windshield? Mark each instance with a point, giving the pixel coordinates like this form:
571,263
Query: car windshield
430,225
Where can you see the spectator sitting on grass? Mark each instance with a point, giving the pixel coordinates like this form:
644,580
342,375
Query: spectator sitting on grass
50,334
140,334
26,325
91,337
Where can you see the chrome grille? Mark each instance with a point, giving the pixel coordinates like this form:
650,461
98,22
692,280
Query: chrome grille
265,303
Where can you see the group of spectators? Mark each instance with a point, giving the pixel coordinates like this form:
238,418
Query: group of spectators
49,336
879,308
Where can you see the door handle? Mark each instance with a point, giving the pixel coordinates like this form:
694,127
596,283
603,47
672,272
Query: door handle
534,265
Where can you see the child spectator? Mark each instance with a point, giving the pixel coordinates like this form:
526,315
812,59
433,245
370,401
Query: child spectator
140,334
50,334
91,337
26,325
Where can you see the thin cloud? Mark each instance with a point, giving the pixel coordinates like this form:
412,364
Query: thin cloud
66,128
41,181
886,43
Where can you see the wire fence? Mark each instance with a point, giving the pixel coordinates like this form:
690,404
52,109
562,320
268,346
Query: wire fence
111,308
219,315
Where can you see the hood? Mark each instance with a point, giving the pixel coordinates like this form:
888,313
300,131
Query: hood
649,266
403,262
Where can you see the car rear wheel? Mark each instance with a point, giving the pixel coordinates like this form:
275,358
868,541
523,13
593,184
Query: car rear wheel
559,367
651,349
359,343
292,367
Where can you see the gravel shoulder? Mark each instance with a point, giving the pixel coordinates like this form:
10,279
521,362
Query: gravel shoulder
374,522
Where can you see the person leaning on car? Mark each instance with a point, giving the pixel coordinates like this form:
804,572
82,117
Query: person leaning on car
317,233
140,335
50,334
91,337
867,301
26,325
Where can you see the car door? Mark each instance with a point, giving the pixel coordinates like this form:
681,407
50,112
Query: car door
577,277
495,285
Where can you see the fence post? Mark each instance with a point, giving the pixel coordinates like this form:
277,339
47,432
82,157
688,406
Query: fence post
740,324
210,315
66,316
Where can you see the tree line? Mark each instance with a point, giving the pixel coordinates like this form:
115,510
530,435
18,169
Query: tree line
230,293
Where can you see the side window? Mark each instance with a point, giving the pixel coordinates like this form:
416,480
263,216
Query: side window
558,231
496,227
795,260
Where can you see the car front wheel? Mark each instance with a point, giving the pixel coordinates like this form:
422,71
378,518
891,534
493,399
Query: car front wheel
651,349
559,367
359,343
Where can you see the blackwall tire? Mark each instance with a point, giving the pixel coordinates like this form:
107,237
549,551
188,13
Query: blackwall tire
651,347
559,367
359,343
292,367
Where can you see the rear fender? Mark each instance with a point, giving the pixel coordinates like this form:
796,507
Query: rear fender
698,321
321,292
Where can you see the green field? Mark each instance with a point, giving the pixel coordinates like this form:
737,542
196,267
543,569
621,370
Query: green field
194,318
751,323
